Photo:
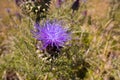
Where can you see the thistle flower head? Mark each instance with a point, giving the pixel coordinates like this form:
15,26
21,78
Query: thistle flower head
59,2
18,16
51,34
18,2
8,10
75,5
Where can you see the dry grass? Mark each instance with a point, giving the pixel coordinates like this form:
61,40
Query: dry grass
98,8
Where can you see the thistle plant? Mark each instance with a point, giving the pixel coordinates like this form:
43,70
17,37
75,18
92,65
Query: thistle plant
59,2
36,8
52,35
75,5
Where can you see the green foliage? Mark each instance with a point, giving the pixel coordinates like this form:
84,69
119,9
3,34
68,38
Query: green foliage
92,54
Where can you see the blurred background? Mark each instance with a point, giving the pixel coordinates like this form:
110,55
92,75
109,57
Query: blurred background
95,50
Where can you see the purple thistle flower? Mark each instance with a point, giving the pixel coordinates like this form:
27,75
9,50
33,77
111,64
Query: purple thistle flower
84,1
8,10
84,13
59,2
18,2
51,34
18,15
